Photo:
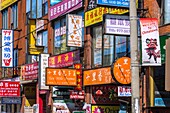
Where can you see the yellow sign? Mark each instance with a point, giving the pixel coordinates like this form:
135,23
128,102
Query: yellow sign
32,41
6,3
104,109
96,15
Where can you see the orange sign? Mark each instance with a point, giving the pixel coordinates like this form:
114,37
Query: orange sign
98,76
121,70
61,77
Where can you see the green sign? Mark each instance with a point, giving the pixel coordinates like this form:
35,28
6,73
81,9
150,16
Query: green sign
162,46
78,111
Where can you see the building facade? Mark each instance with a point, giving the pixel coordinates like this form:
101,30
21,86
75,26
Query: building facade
64,56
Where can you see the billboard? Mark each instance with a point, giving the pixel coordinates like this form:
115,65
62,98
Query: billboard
151,55
6,3
33,49
95,16
74,27
117,24
64,7
61,77
8,88
7,48
98,76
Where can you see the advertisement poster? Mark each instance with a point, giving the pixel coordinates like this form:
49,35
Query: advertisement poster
7,48
151,55
74,25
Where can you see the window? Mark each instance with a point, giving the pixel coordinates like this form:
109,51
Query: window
45,7
14,16
42,40
60,37
5,19
107,48
15,57
35,8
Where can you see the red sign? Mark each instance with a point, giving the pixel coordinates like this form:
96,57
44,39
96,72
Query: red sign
29,71
64,60
79,76
77,94
9,89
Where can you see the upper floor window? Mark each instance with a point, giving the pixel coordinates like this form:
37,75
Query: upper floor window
107,48
14,16
5,19
36,8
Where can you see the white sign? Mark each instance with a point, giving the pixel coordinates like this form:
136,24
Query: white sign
124,91
60,31
74,25
151,55
117,25
43,64
7,48
39,25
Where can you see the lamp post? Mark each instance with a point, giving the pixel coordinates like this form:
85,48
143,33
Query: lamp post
134,58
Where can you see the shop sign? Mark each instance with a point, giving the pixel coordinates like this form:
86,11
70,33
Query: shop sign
10,100
7,48
104,94
124,91
29,71
104,109
43,63
60,31
64,60
77,94
165,102
117,24
9,89
33,49
151,54
64,7
78,68
61,77
74,27
96,15
118,3
6,3
98,76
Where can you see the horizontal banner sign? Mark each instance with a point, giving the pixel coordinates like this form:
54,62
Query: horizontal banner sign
61,77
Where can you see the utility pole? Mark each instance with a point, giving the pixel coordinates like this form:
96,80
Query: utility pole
135,99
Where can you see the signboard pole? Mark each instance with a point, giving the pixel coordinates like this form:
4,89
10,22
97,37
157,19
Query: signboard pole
134,58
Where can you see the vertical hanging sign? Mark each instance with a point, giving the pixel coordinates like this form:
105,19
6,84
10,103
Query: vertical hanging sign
7,48
74,34
151,55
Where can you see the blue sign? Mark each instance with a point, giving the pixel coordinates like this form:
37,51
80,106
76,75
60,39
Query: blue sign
119,3
53,2
11,100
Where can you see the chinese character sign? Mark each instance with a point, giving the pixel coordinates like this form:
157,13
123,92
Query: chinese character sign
7,48
62,77
9,89
74,36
